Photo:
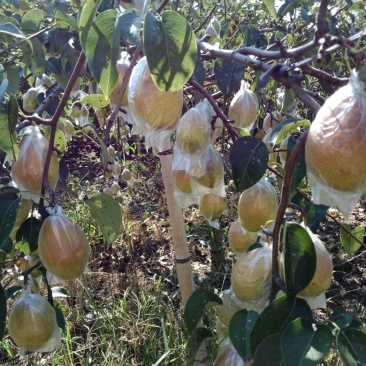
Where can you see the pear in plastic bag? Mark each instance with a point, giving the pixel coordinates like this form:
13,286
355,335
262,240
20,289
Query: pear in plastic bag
335,150
155,113
32,324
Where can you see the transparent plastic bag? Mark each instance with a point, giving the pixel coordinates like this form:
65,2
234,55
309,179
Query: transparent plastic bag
335,149
155,113
244,108
32,324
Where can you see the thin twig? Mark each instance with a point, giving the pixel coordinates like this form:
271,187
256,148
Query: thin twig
285,194
54,120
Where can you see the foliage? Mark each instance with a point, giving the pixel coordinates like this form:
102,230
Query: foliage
59,58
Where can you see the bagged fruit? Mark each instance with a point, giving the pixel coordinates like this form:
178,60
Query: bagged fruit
314,292
193,139
257,205
240,239
62,247
335,149
27,171
212,206
251,276
122,65
32,324
244,107
155,113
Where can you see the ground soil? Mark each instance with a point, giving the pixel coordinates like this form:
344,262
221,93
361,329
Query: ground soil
148,252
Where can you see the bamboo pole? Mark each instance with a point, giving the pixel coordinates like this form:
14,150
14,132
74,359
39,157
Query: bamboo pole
182,255
180,245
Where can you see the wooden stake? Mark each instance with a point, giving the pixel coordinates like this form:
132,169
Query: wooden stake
184,270
181,250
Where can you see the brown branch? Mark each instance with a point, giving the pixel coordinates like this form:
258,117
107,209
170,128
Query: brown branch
291,81
45,185
126,79
321,20
231,130
285,194
323,75
206,19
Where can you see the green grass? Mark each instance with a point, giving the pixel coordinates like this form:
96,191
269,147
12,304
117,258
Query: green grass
131,329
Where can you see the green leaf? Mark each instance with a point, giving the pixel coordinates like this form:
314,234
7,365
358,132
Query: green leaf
11,29
91,128
341,317
170,48
13,73
33,57
268,352
59,292
8,121
201,300
199,71
272,320
102,50
350,244
288,127
299,172
270,4
2,312
315,214
248,159
13,291
299,258
296,340
27,235
96,100
228,74
3,87
62,16
32,20
130,25
320,346
240,329
351,345
86,17
9,204
198,336
107,212
7,245
60,316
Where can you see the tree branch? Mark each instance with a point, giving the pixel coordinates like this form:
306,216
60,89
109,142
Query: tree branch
285,194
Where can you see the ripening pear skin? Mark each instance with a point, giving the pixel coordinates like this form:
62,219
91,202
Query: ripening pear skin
251,275
240,239
32,322
257,205
182,181
194,128
63,247
126,175
335,149
214,170
244,107
27,171
150,107
212,206
30,102
323,273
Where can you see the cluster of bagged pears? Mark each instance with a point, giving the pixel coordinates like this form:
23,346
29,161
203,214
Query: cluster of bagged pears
63,248
198,178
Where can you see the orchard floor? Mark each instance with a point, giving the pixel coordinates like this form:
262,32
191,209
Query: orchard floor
137,274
